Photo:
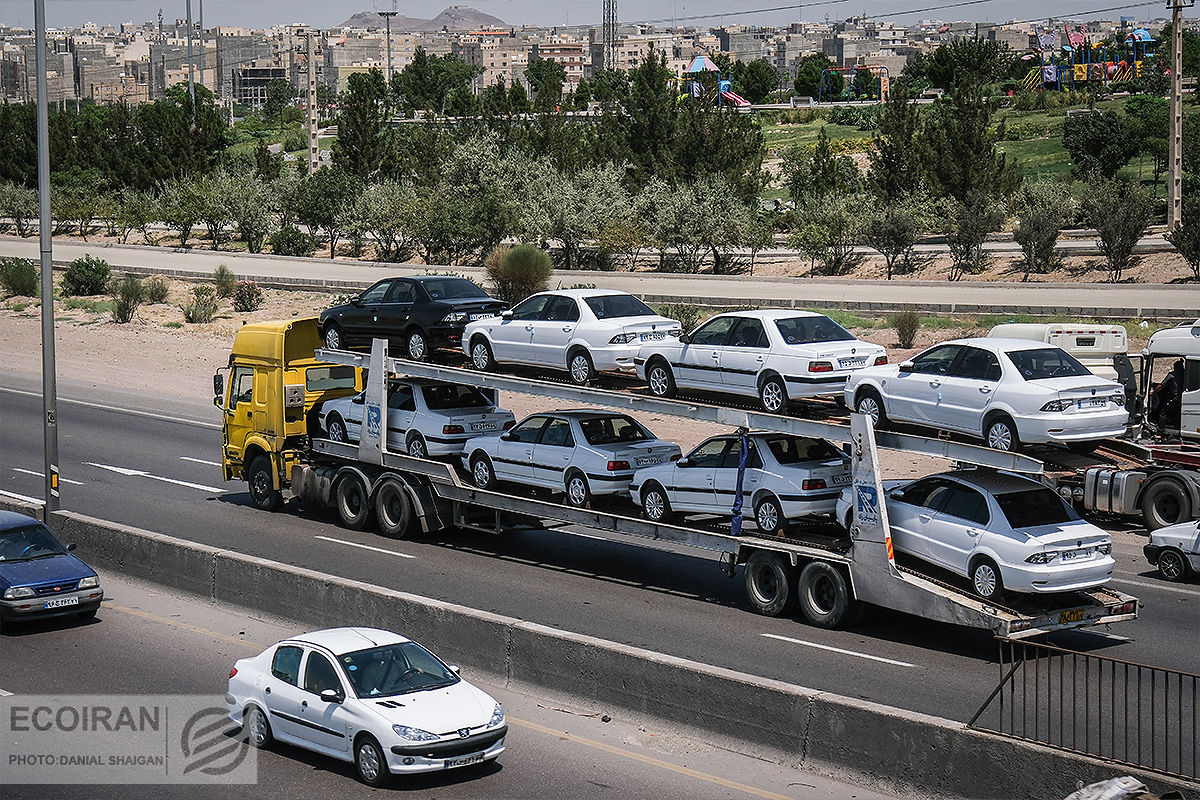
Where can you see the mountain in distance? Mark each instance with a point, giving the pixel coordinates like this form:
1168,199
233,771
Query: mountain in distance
454,18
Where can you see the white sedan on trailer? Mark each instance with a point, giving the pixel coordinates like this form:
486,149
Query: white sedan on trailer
582,453
786,477
999,530
366,696
582,331
425,418
776,355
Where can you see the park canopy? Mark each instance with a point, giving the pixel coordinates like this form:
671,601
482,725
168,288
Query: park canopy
703,63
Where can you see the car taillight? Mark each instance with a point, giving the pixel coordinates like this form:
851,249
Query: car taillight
509,424
677,456
233,672
820,366
813,483
453,429
617,466
880,361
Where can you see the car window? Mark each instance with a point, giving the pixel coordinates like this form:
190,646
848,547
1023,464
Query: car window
401,398
977,364
967,503
29,542
452,289
395,669
709,453
376,293
1032,507
242,389
561,309
453,395
1050,362
615,306
931,493
402,292
748,333
793,449
558,434
613,430
285,665
319,675
714,332
806,330
531,308
528,431
734,453
936,361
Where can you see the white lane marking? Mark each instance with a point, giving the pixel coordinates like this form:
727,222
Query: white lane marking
119,410
42,475
5,694
138,473
880,659
1163,586
24,498
364,546
200,461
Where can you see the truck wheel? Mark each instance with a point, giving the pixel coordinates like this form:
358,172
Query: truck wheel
1165,503
768,516
660,379
655,505
336,428
1172,565
393,510
768,583
825,598
261,480
577,490
773,395
353,505
985,579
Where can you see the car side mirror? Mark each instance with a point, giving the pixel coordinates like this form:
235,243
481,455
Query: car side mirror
71,547
683,462
454,668
331,696
506,436
358,398
685,338
506,314
905,366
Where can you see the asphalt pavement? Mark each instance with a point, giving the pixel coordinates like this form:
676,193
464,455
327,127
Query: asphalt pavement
146,640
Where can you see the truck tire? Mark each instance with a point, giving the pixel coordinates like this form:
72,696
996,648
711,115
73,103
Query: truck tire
260,478
353,504
825,597
769,583
393,510
1173,565
1165,503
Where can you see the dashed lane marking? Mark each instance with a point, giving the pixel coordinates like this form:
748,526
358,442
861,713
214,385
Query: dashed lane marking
131,411
139,473
867,656
200,461
364,546
42,475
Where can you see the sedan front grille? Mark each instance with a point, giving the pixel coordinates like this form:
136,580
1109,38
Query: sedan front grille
55,588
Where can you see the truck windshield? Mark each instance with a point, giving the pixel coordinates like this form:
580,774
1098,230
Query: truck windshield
807,330
613,430
1034,507
454,396
1051,362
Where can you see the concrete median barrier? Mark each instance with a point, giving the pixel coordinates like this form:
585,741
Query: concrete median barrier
872,744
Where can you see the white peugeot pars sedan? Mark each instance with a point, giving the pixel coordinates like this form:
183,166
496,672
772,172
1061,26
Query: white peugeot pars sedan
776,355
1004,391
366,696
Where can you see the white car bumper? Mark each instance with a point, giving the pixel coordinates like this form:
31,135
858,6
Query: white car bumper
1034,578
824,502
615,357
1068,427
426,757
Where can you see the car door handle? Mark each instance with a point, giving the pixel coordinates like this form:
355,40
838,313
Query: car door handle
716,356
985,390
924,517
304,704
935,384
529,328
567,330
760,359
267,690
973,531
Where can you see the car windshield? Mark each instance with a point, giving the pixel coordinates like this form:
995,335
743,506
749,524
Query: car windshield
613,430
613,306
793,449
452,289
1033,507
454,396
1049,362
807,330
395,669
29,542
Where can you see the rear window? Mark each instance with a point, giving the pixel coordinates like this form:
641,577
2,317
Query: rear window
1034,507
613,430
807,330
454,396
452,289
1050,362
615,306
794,450
322,379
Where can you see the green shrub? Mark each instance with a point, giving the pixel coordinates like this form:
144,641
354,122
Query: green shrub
906,324
295,141
518,272
85,277
173,324
291,241
247,296
689,316
127,294
20,276
224,281
203,305
156,290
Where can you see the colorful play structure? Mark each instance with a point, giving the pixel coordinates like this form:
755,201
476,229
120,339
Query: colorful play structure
696,88
880,88
1077,62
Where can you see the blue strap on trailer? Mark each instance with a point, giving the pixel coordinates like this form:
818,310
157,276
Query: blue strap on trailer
737,495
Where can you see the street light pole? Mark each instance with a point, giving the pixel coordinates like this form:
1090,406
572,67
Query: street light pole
49,390
387,18
191,70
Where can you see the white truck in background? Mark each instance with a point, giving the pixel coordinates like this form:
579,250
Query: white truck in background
1095,346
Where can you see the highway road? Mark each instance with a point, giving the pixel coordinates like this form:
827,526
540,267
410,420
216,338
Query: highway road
146,640
158,470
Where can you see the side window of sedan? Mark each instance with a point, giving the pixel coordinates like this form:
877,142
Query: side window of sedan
969,504
734,453
320,675
402,292
714,332
401,398
748,333
531,308
936,361
977,364
931,494
708,454
558,434
285,665
376,293
528,431
561,309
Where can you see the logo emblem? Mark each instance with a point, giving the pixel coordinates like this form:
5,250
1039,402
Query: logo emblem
463,733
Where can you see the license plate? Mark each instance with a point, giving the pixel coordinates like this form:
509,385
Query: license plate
483,315
1070,615
1071,555
59,602
646,461
840,479
483,426
465,761
653,337
1093,402
851,362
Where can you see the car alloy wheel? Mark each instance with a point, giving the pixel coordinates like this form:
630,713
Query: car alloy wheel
337,431
1000,436
581,369
766,516
481,471
333,337
481,356
985,580
416,448
660,381
655,505
577,491
256,728
868,406
417,347
1172,565
773,397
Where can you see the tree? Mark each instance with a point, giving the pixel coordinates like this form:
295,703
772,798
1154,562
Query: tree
1042,210
267,165
1120,212
577,207
20,204
75,197
1100,142
250,209
494,100
895,233
819,173
1186,237
1148,118
433,83
138,209
972,221
320,199
808,77
180,207
546,78
972,61
610,86
280,94
361,144
895,156
959,148
828,230
216,192
518,99
864,84
758,79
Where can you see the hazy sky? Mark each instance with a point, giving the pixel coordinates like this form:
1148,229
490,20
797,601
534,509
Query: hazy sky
325,13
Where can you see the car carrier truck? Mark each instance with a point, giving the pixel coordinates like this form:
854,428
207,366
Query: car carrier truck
277,376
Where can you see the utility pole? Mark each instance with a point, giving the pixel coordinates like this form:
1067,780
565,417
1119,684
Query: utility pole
609,34
1175,141
191,70
202,48
312,105
387,18
49,389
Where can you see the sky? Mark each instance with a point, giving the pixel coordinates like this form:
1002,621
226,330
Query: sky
327,13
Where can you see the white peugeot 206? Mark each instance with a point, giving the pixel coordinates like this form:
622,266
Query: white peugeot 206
367,696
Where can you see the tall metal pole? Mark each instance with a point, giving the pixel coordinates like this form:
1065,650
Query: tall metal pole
49,389
1175,140
191,63
202,48
312,106
387,18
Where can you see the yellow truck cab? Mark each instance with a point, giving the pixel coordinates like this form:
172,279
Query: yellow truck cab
267,395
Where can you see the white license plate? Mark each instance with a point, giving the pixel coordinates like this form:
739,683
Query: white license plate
653,337
846,363
60,602
465,761
646,461
1093,402
1071,555
483,426
840,479
484,315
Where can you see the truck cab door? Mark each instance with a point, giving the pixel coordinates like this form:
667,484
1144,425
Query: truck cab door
239,414
1189,413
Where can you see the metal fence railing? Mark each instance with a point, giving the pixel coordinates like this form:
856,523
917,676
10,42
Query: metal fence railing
1128,713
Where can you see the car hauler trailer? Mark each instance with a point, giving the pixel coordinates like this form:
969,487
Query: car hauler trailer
269,444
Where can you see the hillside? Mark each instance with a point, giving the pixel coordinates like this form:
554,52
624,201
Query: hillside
454,18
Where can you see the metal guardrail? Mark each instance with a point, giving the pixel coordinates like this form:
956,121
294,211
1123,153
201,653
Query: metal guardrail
1124,712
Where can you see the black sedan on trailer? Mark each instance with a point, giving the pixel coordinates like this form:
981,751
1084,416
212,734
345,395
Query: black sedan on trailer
420,314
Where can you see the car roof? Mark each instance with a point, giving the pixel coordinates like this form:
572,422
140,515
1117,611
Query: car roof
347,640
427,278
993,481
580,413
1000,344
11,519
585,293
772,313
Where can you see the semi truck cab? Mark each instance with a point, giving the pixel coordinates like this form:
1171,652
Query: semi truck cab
1163,349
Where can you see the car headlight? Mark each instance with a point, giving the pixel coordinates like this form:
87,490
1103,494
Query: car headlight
18,593
1057,405
89,583
623,338
414,734
1042,558
455,316
497,717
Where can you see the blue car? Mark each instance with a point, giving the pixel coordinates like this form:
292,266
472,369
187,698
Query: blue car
38,575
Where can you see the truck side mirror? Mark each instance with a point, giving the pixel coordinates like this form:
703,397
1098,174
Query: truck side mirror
218,388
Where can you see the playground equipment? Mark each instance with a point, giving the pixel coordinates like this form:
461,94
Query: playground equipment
724,87
880,83
1078,62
